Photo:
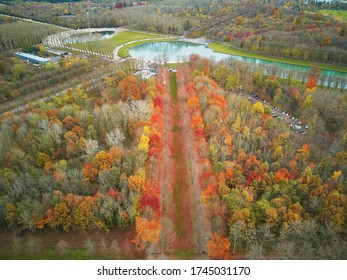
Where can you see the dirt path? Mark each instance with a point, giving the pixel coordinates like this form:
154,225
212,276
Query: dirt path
182,217
177,171
201,225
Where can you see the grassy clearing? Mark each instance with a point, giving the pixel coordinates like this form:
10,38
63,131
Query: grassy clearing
173,85
123,52
223,48
54,254
108,45
339,15
183,254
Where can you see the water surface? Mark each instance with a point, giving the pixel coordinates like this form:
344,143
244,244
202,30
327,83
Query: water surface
178,51
89,36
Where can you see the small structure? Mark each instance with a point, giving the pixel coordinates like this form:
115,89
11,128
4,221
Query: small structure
31,58
56,52
146,73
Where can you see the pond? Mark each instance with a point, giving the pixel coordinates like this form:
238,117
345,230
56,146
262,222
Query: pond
177,51
89,36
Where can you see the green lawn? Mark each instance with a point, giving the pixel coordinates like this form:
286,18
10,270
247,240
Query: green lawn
223,48
339,15
173,85
107,46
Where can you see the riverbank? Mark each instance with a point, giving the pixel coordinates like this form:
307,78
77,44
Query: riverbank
227,49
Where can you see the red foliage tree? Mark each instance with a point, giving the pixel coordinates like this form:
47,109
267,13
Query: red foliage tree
282,175
113,193
155,145
149,200
157,102
89,172
312,82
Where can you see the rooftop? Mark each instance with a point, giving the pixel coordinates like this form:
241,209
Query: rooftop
31,57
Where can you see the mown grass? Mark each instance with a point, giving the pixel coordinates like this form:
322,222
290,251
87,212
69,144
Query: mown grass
339,15
173,85
223,48
108,45
183,254
54,254
123,52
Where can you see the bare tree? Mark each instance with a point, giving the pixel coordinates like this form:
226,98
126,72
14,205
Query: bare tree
236,233
140,110
92,147
167,234
115,138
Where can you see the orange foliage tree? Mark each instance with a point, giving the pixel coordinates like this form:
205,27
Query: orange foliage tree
62,216
136,183
83,214
148,231
282,175
218,247
90,173
130,89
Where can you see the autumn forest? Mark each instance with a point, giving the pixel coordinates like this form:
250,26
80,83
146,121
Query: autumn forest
200,161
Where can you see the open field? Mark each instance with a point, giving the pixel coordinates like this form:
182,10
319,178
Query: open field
223,48
120,38
339,15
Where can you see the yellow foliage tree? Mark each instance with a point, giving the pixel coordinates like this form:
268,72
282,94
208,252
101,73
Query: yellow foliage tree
136,183
237,124
258,108
143,145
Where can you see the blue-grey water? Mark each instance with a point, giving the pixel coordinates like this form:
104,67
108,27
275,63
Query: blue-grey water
178,51
89,36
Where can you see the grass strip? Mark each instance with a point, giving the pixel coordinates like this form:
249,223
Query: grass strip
223,48
173,85
108,45
340,15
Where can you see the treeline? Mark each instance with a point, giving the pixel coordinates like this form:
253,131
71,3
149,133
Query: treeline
50,1
16,34
267,194
268,28
279,30
88,14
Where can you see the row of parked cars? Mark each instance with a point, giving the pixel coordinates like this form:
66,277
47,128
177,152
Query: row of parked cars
277,113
